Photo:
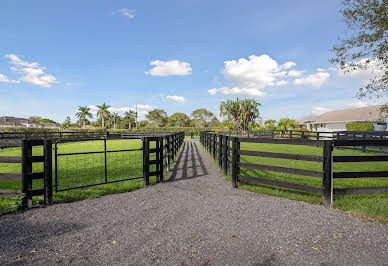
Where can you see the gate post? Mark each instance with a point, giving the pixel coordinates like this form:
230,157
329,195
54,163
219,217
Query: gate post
26,170
220,151
234,163
161,159
327,196
146,161
48,172
225,155
214,145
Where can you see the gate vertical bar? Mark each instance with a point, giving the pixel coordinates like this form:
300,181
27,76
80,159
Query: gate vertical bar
26,171
225,155
56,166
48,172
220,151
161,169
327,197
105,162
234,162
146,161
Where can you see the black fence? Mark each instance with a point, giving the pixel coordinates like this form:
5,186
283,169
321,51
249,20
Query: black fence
85,168
227,150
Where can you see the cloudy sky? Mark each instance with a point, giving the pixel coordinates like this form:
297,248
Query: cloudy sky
176,55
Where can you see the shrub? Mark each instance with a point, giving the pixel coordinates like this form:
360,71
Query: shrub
366,126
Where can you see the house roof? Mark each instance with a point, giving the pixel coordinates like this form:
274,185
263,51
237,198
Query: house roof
371,113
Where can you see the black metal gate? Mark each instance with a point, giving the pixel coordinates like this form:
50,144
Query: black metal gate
83,163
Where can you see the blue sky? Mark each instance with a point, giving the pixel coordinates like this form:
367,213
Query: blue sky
174,55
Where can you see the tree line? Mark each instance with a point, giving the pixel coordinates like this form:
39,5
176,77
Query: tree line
238,114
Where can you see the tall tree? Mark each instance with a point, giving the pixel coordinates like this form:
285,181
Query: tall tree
364,45
83,114
67,123
286,123
201,117
270,124
130,117
178,120
157,117
103,112
214,122
115,118
240,112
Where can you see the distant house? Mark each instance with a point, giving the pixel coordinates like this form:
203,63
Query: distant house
9,121
337,120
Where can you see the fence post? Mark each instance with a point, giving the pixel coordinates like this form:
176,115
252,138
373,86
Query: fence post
48,172
220,150
327,197
214,145
105,162
146,161
225,155
26,171
234,162
161,159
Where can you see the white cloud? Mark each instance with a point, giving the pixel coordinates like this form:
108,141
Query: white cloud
212,91
281,83
169,68
320,110
287,65
315,80
237,91
358,104
143,106
295,73
5,79
32,73
15,60
375,68
176,98
129,13
249,76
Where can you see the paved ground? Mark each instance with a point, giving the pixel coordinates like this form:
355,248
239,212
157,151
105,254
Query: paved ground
196,218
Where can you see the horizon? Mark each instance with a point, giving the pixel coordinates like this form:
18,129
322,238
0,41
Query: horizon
83,54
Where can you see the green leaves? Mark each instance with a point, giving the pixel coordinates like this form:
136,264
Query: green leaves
241,113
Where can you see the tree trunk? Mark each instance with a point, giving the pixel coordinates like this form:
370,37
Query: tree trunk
102,119
129,125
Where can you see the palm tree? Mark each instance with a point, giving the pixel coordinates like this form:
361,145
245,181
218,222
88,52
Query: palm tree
115,117
103,112
130,115
83,114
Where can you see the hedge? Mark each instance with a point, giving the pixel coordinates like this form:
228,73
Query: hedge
366,126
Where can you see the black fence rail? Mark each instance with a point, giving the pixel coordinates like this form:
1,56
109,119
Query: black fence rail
153,156
227,150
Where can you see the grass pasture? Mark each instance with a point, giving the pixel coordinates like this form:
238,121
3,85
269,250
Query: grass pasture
369,205
82,169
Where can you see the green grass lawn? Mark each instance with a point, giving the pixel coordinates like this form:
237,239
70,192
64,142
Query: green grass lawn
369,205
80,170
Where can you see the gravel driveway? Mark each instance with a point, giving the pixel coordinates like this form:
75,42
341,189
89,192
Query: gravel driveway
196,218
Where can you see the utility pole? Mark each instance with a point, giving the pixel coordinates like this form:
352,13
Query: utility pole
136,117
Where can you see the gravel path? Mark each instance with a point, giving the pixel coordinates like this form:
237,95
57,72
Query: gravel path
196,218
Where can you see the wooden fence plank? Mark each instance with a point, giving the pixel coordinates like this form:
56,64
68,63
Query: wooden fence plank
360,158
360,174
10,176
9,192
10,159
360,142
283,141
283,169
312,158
360,190
281,184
